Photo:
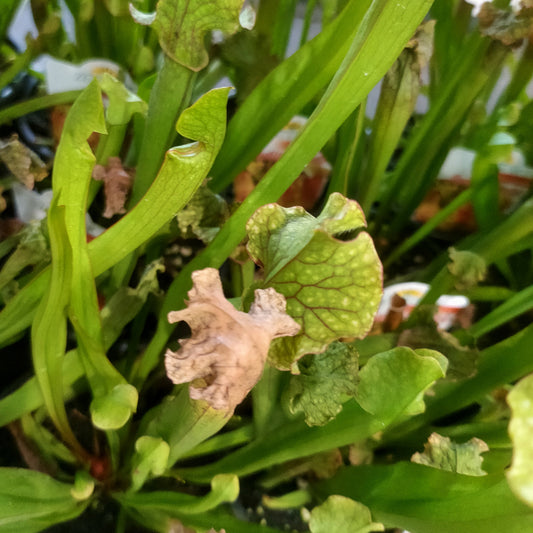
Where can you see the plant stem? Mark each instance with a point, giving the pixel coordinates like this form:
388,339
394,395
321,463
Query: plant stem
521,76
491,246
169,97
36,104
428,227
351,135
230,439
282,27
437,132
511,308
309,9
21,62
111,143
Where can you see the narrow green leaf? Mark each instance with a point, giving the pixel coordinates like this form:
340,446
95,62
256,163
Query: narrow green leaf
49,330
426,500
514,306
513,234
202,523
121,308
324,383
182,27
339,513
441,452
71,178
36,104
31,501
291,441
520,475
437,131
284,92
392,382
332,287
397,100
224,489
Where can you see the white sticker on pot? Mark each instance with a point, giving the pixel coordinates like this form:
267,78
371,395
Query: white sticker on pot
412,292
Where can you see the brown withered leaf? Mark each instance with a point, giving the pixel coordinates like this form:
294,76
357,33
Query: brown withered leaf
117,185
504,25
22,162
422,42
228,348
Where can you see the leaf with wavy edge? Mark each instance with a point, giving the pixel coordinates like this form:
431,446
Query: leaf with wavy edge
182,26
332,287
339,513
463,458
227,348
123,104
394,381
325,382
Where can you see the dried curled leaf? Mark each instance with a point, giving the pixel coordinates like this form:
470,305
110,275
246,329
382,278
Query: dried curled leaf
504,25
117,185
24,164
227,348
441,452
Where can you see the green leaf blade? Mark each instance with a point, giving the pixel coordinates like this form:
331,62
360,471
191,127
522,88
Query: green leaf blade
520,475
422,499
31,501
49,329
269,108
391,383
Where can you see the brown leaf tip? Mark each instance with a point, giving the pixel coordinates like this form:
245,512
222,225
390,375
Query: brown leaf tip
227,348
